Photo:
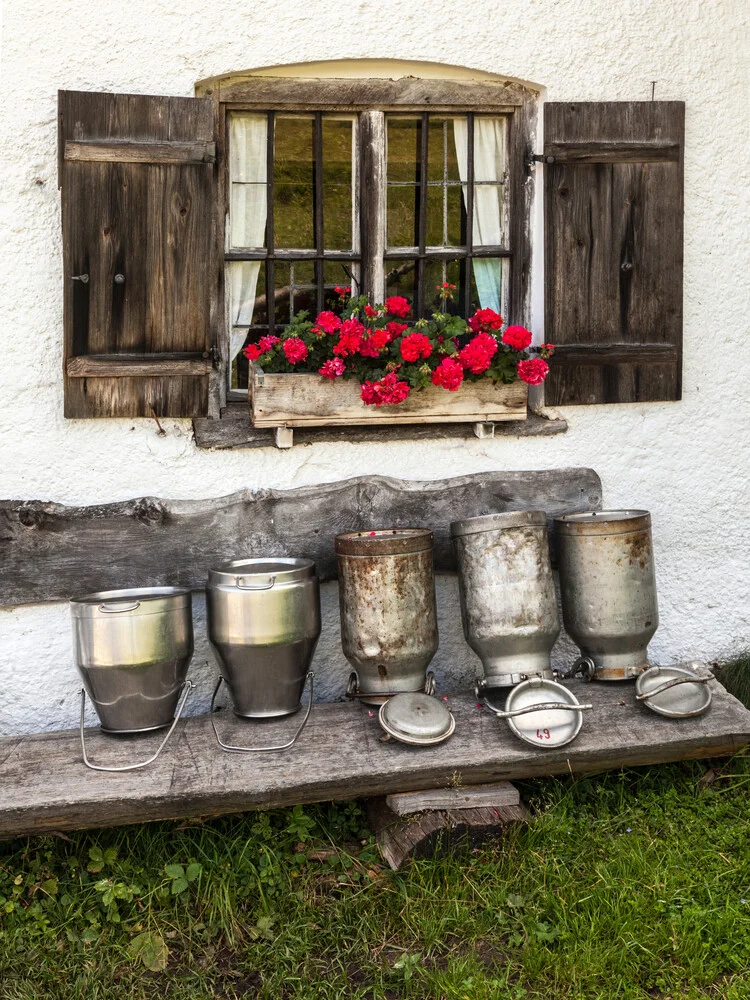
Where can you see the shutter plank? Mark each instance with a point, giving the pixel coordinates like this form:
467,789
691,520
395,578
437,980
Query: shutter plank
613,251
149,218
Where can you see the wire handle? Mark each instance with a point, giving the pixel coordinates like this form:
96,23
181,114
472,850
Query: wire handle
187,687
230,748
352,688
670,684
543,706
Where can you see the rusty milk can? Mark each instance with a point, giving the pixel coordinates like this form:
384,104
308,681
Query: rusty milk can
608,590
388,615
508,602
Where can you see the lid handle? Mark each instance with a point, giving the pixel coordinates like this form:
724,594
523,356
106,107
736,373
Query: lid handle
241,583
670,684
543,706
116,609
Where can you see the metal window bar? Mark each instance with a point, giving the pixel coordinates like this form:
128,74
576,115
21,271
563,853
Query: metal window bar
468,264
318,205
270,277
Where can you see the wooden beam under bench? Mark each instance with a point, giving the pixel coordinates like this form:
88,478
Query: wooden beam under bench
44,785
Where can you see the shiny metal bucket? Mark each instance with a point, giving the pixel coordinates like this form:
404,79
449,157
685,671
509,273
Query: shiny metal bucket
264,624
608,590
389,627
508,602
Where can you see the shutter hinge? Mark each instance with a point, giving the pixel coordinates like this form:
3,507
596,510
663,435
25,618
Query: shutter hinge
533,158
211,353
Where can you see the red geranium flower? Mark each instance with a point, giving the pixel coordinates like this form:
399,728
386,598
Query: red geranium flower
332,368
389,391
517,337
328,321
478,353
370,311
415,346
350,337
397,305
342,290
449,374
267,342
252,352
395,329
374,343
294,350
485,319
534,371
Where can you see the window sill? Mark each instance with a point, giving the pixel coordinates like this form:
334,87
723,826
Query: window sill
234,430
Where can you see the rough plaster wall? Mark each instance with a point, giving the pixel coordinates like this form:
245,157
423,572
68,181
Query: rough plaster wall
687,462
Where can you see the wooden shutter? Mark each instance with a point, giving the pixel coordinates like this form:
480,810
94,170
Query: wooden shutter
613,204
138,179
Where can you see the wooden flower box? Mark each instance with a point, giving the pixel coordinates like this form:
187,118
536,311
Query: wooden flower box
309,400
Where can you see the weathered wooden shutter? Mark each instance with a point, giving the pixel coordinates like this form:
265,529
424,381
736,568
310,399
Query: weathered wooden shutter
613,203
138,179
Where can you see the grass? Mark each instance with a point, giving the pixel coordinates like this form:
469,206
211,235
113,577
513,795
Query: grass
631,884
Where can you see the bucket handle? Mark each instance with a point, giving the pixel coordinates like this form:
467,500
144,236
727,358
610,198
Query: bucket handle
267,586
187,687
281,746
116,610
670,684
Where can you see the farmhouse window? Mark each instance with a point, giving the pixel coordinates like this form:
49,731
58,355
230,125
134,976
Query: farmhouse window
191,226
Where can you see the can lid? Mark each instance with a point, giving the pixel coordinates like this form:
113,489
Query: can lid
132,601
674,691
498,522
603,522
416,718
384,542
261,574
547,727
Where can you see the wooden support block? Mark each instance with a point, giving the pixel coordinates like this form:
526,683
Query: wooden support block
501,793
283,436
420,836
484,430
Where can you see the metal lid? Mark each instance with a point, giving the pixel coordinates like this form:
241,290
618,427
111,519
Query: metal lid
498,522
603,522
134,601
261,574
384,542
417,719
548,727
673,691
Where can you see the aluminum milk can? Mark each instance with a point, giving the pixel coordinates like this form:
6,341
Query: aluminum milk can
608,589
388,615
133,648
508,602
264,624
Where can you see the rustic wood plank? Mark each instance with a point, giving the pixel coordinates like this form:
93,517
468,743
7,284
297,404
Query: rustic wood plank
235,430
151,222
615,354
53,552
125,366
421,836
125,151
338,756
407,93
312,401
614,249
501,793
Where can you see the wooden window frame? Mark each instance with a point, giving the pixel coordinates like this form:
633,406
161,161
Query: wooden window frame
371,100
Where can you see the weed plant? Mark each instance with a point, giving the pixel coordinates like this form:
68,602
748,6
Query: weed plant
631,885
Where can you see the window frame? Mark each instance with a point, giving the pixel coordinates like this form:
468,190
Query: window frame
370,100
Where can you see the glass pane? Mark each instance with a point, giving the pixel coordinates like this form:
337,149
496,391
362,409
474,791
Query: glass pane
401,278
402,223
490,148
339,274
294,225
489,286
248,313
403,145
338,192
282,293
442,163
436,235
303,286
247,175
490,215
435,273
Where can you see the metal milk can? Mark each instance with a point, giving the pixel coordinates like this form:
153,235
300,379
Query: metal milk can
608,589
264,624
508,602
389,627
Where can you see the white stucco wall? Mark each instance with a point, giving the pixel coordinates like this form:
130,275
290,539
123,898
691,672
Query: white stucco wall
687,462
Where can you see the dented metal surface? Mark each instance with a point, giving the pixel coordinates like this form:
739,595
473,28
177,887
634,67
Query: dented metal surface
508,604
608,588
389,628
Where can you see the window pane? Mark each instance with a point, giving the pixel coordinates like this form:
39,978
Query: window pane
303,286
248,313
490,215
402,224
338,190
490,148
401,278
435,273
339,274
442,162
247,176
403,142
490,285
282,293
293,173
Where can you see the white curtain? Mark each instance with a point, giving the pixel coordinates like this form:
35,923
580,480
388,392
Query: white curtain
489,200
247,215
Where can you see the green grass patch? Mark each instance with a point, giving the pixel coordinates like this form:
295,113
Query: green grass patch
632,884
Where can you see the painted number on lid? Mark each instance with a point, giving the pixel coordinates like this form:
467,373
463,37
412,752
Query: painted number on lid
543,734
